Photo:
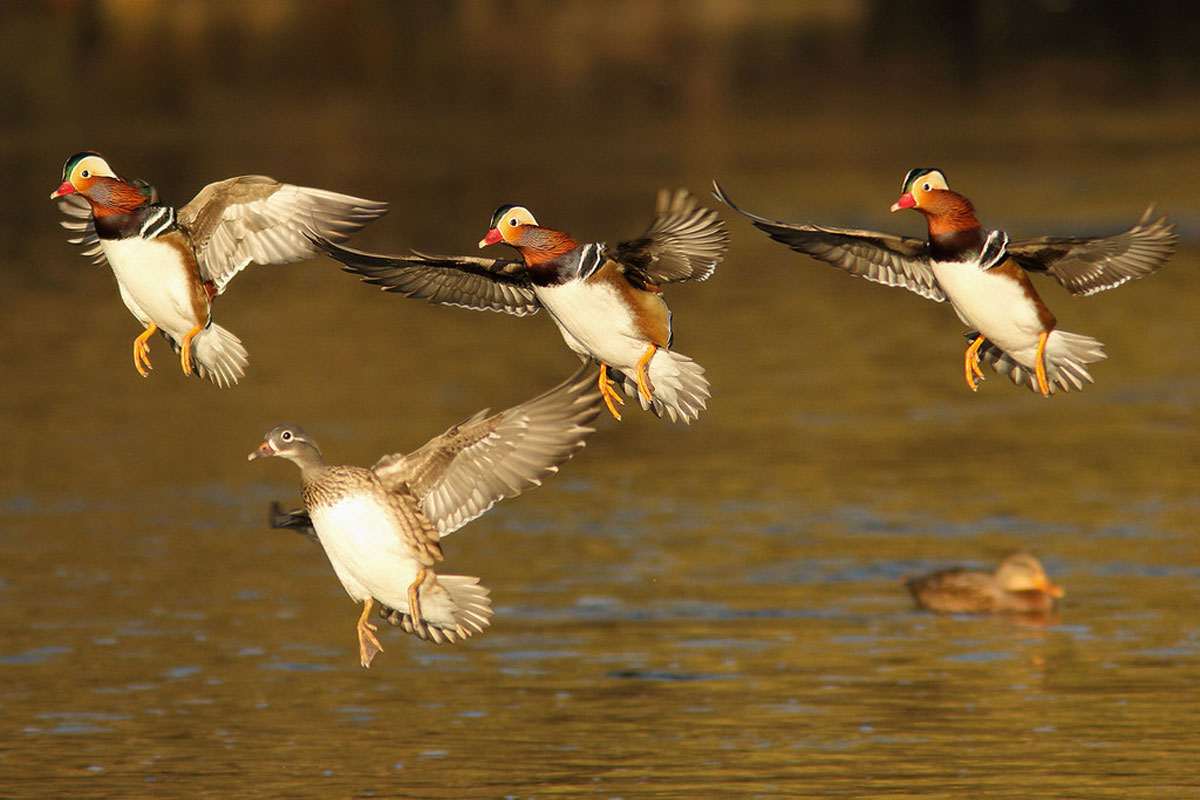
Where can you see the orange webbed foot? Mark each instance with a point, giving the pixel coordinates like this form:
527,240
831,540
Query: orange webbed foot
971,370
609,393
141,351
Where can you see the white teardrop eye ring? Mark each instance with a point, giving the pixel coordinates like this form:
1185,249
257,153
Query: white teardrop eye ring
286,436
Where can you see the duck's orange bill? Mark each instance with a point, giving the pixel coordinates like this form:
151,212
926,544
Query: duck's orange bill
1053,590
492,237
66,188
264,451
906,201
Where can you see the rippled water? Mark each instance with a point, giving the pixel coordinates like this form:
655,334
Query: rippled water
710,611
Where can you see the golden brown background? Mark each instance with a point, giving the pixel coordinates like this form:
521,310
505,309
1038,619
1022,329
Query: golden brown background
713,611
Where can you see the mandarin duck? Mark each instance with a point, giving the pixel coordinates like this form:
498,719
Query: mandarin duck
298,521
171,263
382,527
984,275
1018,586
606,301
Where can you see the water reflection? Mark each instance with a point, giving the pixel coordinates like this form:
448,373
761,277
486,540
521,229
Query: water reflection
700,612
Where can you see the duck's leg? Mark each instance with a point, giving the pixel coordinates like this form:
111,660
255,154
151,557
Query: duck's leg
971,369
609,393
414,603
1039,364
185,350
643,379
141,351
368,644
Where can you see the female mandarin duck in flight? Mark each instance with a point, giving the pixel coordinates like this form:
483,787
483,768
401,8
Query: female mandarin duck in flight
170,263
606,301
382,527
984,276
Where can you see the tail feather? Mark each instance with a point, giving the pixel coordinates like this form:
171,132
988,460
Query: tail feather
219,355
1066,356
453,607
679,387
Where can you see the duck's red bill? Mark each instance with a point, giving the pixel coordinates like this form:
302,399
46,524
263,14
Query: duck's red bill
492,237
66,188
906,201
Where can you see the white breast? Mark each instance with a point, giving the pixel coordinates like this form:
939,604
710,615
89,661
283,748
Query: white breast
367,549
994,304
154,283
594,321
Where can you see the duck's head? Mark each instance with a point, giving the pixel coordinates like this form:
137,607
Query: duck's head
82,173
1022,572
88,175
290,442
924,189
510,224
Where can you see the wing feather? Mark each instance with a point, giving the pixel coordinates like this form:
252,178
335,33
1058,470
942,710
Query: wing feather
82,227
480,284
685,242
461,474
1087,266
878,257
253,219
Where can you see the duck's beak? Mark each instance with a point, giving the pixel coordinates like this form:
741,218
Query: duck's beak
906,201
66,188
492,237
264,451
1055,591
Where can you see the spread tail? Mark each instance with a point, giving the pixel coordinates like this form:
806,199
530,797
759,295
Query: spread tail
453,607
219,355
1066,356
678,383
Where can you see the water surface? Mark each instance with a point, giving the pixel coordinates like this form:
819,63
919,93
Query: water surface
712,611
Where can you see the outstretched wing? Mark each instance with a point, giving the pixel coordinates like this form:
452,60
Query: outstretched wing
1086,266
81,226
295,520
253,219
685,242
480,284
879,257
462,473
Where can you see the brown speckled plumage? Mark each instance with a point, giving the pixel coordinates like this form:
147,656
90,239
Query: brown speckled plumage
1018,586
427,494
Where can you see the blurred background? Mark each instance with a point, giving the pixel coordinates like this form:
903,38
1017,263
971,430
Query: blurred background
711,611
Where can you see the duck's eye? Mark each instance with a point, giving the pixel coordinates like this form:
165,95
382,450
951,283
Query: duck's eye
512,222
286,436
926,187
85,174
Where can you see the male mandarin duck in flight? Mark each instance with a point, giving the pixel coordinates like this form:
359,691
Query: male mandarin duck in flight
606,301
983,275
1018,586
171,263
382,527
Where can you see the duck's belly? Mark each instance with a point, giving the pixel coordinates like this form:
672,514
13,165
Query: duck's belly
994,304
595,321
155,283
366,548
